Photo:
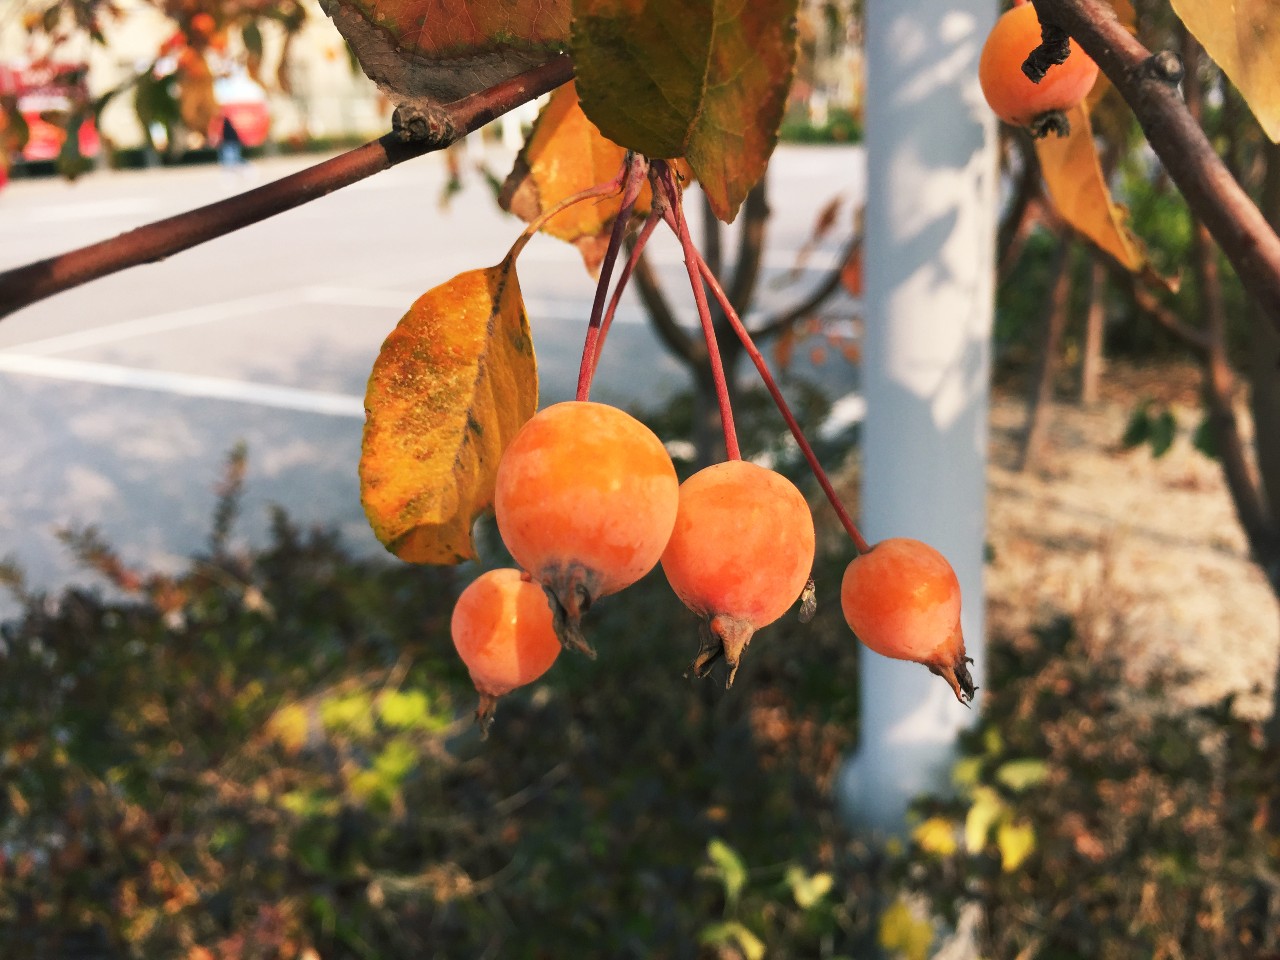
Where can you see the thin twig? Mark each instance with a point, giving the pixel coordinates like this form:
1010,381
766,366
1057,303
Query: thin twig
28,284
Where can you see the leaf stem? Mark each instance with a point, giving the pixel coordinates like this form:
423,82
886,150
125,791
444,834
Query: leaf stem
859,542
591,193
654,218
674,215
634,168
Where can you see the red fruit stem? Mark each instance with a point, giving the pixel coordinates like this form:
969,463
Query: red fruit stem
674,215
635,169
859,542
628,268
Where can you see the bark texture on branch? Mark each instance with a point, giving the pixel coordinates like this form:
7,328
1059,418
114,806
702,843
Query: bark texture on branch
1149,87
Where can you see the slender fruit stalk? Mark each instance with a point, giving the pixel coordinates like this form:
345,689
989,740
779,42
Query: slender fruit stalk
665,181
859,542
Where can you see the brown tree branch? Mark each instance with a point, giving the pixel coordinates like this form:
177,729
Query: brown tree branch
821,294
692,351
25,285
1150,88
1217,375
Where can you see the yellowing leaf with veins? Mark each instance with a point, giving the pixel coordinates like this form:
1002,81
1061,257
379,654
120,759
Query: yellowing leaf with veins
1243,38
565,154
1076,186
451,386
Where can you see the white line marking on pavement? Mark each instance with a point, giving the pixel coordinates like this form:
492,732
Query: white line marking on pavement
209,313
189,385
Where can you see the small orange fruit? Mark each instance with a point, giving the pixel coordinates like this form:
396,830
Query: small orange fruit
502,630
585,498
739,556
902,599
1012,95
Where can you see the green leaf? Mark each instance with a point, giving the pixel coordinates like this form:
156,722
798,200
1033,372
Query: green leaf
1204,439
451,386
808,889
733,933
404,709
1018,775
1138,429
1163,429
703,81
730,870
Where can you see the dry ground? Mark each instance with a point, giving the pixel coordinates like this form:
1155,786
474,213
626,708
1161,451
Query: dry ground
1144,552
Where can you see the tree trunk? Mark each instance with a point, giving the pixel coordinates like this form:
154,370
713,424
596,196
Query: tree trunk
1264,382
1041,399
1092,360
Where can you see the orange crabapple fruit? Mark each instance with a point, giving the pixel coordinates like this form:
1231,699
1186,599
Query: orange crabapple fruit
502,630
739,556
1012,95
902,599
585,499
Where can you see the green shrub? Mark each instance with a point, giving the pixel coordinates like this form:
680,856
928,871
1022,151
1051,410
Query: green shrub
274,751
1097,821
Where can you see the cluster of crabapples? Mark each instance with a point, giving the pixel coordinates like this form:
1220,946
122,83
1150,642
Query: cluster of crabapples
588,502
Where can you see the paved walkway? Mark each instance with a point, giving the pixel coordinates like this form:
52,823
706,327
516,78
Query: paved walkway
119,400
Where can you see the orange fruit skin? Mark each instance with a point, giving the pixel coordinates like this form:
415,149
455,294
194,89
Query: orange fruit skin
586,485
902,599
502,629
1010,93
742,545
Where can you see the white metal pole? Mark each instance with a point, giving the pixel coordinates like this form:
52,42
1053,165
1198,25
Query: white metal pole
930,222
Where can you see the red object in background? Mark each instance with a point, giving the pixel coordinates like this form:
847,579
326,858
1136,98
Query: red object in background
44,89
244,103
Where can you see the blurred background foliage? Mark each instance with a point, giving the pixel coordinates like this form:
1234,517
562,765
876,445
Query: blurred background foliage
270,754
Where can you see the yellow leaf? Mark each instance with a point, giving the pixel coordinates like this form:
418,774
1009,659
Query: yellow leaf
987,808
1079,192
1016,841
451,386
905,933
290,726
1243,38
565,154
936,835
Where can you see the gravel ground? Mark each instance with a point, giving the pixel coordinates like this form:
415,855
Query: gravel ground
1144,552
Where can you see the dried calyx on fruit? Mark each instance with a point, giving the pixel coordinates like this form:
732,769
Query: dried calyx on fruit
739,556
1012,95
502,630
902,599
585,499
